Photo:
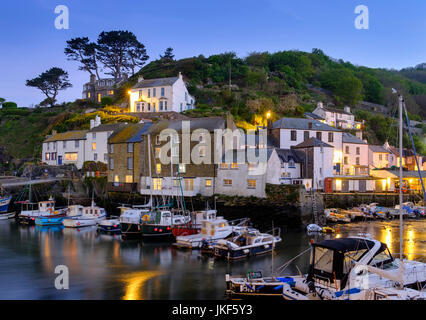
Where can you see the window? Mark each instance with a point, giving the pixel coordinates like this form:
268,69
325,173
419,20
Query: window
93,146
158,168
181,107
380,157
162,92
305,135
149,107
105,157
182,167
154,92
161,105
94,136
358,151
140,94
357,161
111,148
129,163
71,156
227,182
291,164
347,150
189,184
157,140
319,136
345,160
111,163
53,156
330,137
251,184
130,147
234,165
48,145
129,179
157,183
165,105
251,166
224,166
293,135
116,179
99,97
208,182
95,157
149,94
111,92
157,152
186,96
47,156
64,144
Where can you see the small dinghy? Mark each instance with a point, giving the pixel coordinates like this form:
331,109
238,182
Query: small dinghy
110,226
249,243
314,228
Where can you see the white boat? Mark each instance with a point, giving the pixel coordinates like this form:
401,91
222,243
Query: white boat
109,226
90,217
249,243
44,209
6,216
211,231
130,222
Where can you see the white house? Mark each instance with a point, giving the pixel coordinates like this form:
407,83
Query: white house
337,117
242,177
379,157
160,95
65,148
96,144
318,164
285,166
291,132
355,156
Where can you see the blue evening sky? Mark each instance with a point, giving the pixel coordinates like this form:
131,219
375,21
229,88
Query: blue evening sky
30,44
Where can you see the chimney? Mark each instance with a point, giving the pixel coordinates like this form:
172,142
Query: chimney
359,134
54,132
92,124
310,125
320,105
97,121
386,145
347,109
140,79
92,78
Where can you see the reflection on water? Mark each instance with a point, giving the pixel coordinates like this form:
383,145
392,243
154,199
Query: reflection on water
105,267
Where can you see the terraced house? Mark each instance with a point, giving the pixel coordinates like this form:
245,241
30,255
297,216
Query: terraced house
160,95
124,158
184,176
65,148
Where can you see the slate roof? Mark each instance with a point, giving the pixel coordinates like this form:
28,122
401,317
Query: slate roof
379,149
349,138
286,154
312,142
127,133
159,82
302,124
69,135
210,124
107,127
313,116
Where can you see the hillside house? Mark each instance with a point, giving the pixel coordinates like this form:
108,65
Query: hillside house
355,156
160,95
379,157
337,118
95,90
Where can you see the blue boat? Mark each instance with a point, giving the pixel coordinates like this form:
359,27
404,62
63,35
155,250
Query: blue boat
4,203
49,221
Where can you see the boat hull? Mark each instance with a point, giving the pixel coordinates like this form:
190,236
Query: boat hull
130,230
4,204
6,216
156,231
222,252
184,231
46,221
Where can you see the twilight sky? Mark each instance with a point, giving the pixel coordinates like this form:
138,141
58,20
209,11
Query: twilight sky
30,43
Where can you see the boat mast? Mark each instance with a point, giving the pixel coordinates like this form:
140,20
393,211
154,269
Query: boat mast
149,168
401,230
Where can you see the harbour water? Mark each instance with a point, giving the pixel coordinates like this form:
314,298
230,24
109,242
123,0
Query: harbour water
106,267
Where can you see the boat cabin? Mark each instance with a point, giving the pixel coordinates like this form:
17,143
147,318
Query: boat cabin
93,210
46,206
333,260
75,210
133,216
199,216
210,227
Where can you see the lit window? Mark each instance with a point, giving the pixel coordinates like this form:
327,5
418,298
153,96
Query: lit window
234,165
227,182
99,97
251,184
208,182
70,156
116,180
129,179
93,146
157,152
189,184
47,156
224,166
158,168
111,92
182,167
156,183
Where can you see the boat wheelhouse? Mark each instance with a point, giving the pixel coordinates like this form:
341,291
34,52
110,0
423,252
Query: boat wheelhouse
194,226
159,223
44,209
130,222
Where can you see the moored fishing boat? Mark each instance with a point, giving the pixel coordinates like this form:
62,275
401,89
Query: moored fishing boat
49,221
4,204
110,226
211,231
130,223
158,223
194,226
90,217
44,209
247,244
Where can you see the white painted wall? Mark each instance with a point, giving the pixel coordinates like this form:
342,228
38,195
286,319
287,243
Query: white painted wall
352,156
323,166
101,140
379,160
70,147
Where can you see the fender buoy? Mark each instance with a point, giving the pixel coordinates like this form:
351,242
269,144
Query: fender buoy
145,218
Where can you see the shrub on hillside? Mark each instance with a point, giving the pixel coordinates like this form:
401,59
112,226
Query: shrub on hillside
9,105
106,101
